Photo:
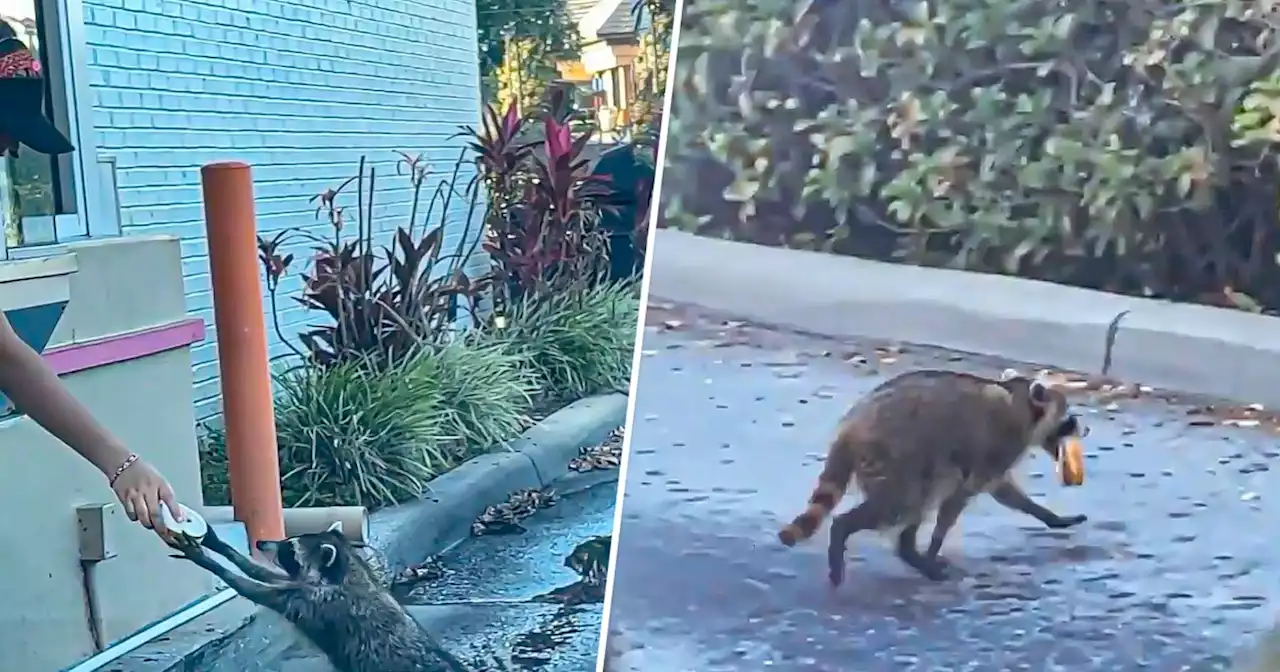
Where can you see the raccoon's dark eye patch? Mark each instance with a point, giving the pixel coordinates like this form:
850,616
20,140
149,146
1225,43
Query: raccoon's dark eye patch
1039,392
1070,426
287,558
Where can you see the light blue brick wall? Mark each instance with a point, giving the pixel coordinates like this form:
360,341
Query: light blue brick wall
299,89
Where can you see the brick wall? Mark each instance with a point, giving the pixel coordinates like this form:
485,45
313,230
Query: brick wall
299,89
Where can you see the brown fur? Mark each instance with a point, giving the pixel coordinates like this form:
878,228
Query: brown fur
1262,656
929,441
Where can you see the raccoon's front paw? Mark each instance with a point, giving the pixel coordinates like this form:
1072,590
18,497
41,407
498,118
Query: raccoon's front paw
1063,522
187,546
835,574
936,569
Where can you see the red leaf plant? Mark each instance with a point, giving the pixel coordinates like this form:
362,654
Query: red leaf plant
541,225
382,302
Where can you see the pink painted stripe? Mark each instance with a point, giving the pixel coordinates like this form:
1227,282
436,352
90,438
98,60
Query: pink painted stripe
124,347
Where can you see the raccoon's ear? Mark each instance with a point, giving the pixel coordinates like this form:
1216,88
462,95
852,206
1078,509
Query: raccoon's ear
1039,392
336,526
328,555
1009,374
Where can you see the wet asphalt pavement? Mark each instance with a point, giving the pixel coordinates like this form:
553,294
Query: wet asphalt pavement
1174,569
482,601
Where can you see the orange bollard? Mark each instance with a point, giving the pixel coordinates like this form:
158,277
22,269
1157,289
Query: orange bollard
247,403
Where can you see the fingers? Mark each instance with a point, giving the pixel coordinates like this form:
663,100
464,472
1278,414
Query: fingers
155,521
144,508
167,496
128,501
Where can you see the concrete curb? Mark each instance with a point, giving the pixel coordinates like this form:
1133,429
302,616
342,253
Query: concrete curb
1215,351
407,534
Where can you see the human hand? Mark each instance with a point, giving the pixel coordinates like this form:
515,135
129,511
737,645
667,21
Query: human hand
141,489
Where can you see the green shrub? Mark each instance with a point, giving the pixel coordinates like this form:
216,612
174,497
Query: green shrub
1079,142
212,444
350,434
346,436
485,389
579,342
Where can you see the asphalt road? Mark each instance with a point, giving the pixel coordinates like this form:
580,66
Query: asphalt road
1173,570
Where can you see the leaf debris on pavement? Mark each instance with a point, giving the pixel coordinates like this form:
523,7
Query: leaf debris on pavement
505,518
590,559
430,569
607,455
1108,391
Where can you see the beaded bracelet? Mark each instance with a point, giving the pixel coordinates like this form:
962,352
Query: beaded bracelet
124,466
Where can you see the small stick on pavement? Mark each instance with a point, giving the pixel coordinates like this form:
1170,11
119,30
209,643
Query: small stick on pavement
1112,330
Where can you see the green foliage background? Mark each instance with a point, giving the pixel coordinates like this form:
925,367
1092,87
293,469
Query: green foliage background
540,33
1123,145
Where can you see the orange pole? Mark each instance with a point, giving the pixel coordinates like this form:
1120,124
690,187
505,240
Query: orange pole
247,404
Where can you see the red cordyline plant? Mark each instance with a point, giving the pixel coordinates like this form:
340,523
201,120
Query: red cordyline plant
541,225
383,301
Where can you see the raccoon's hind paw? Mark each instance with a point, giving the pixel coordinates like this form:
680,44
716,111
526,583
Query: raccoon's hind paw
1063,522
788,536
935,569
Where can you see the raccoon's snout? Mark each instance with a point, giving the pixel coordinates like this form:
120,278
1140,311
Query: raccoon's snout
1069,427
269,549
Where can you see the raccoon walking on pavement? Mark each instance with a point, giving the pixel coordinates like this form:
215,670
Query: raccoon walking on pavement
326,590
930,441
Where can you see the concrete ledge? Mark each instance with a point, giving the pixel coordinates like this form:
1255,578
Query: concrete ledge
1192,348
405,535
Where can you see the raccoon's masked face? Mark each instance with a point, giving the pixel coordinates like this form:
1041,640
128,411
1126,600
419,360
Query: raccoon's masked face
1071,426
310,557
1051,414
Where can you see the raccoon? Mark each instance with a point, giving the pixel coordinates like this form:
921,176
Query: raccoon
1262,655
926,442
326,590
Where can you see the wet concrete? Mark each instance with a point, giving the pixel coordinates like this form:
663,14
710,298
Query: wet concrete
1172,571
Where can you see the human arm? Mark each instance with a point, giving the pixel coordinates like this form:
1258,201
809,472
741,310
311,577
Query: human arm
36,390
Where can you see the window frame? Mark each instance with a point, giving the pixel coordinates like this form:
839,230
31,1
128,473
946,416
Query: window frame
66,45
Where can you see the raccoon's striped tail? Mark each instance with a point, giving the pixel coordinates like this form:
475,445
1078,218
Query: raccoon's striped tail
832,484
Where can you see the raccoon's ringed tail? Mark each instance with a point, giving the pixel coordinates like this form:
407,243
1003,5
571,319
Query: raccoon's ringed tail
821,503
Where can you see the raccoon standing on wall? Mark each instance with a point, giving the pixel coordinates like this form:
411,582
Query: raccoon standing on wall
322,586
929,441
